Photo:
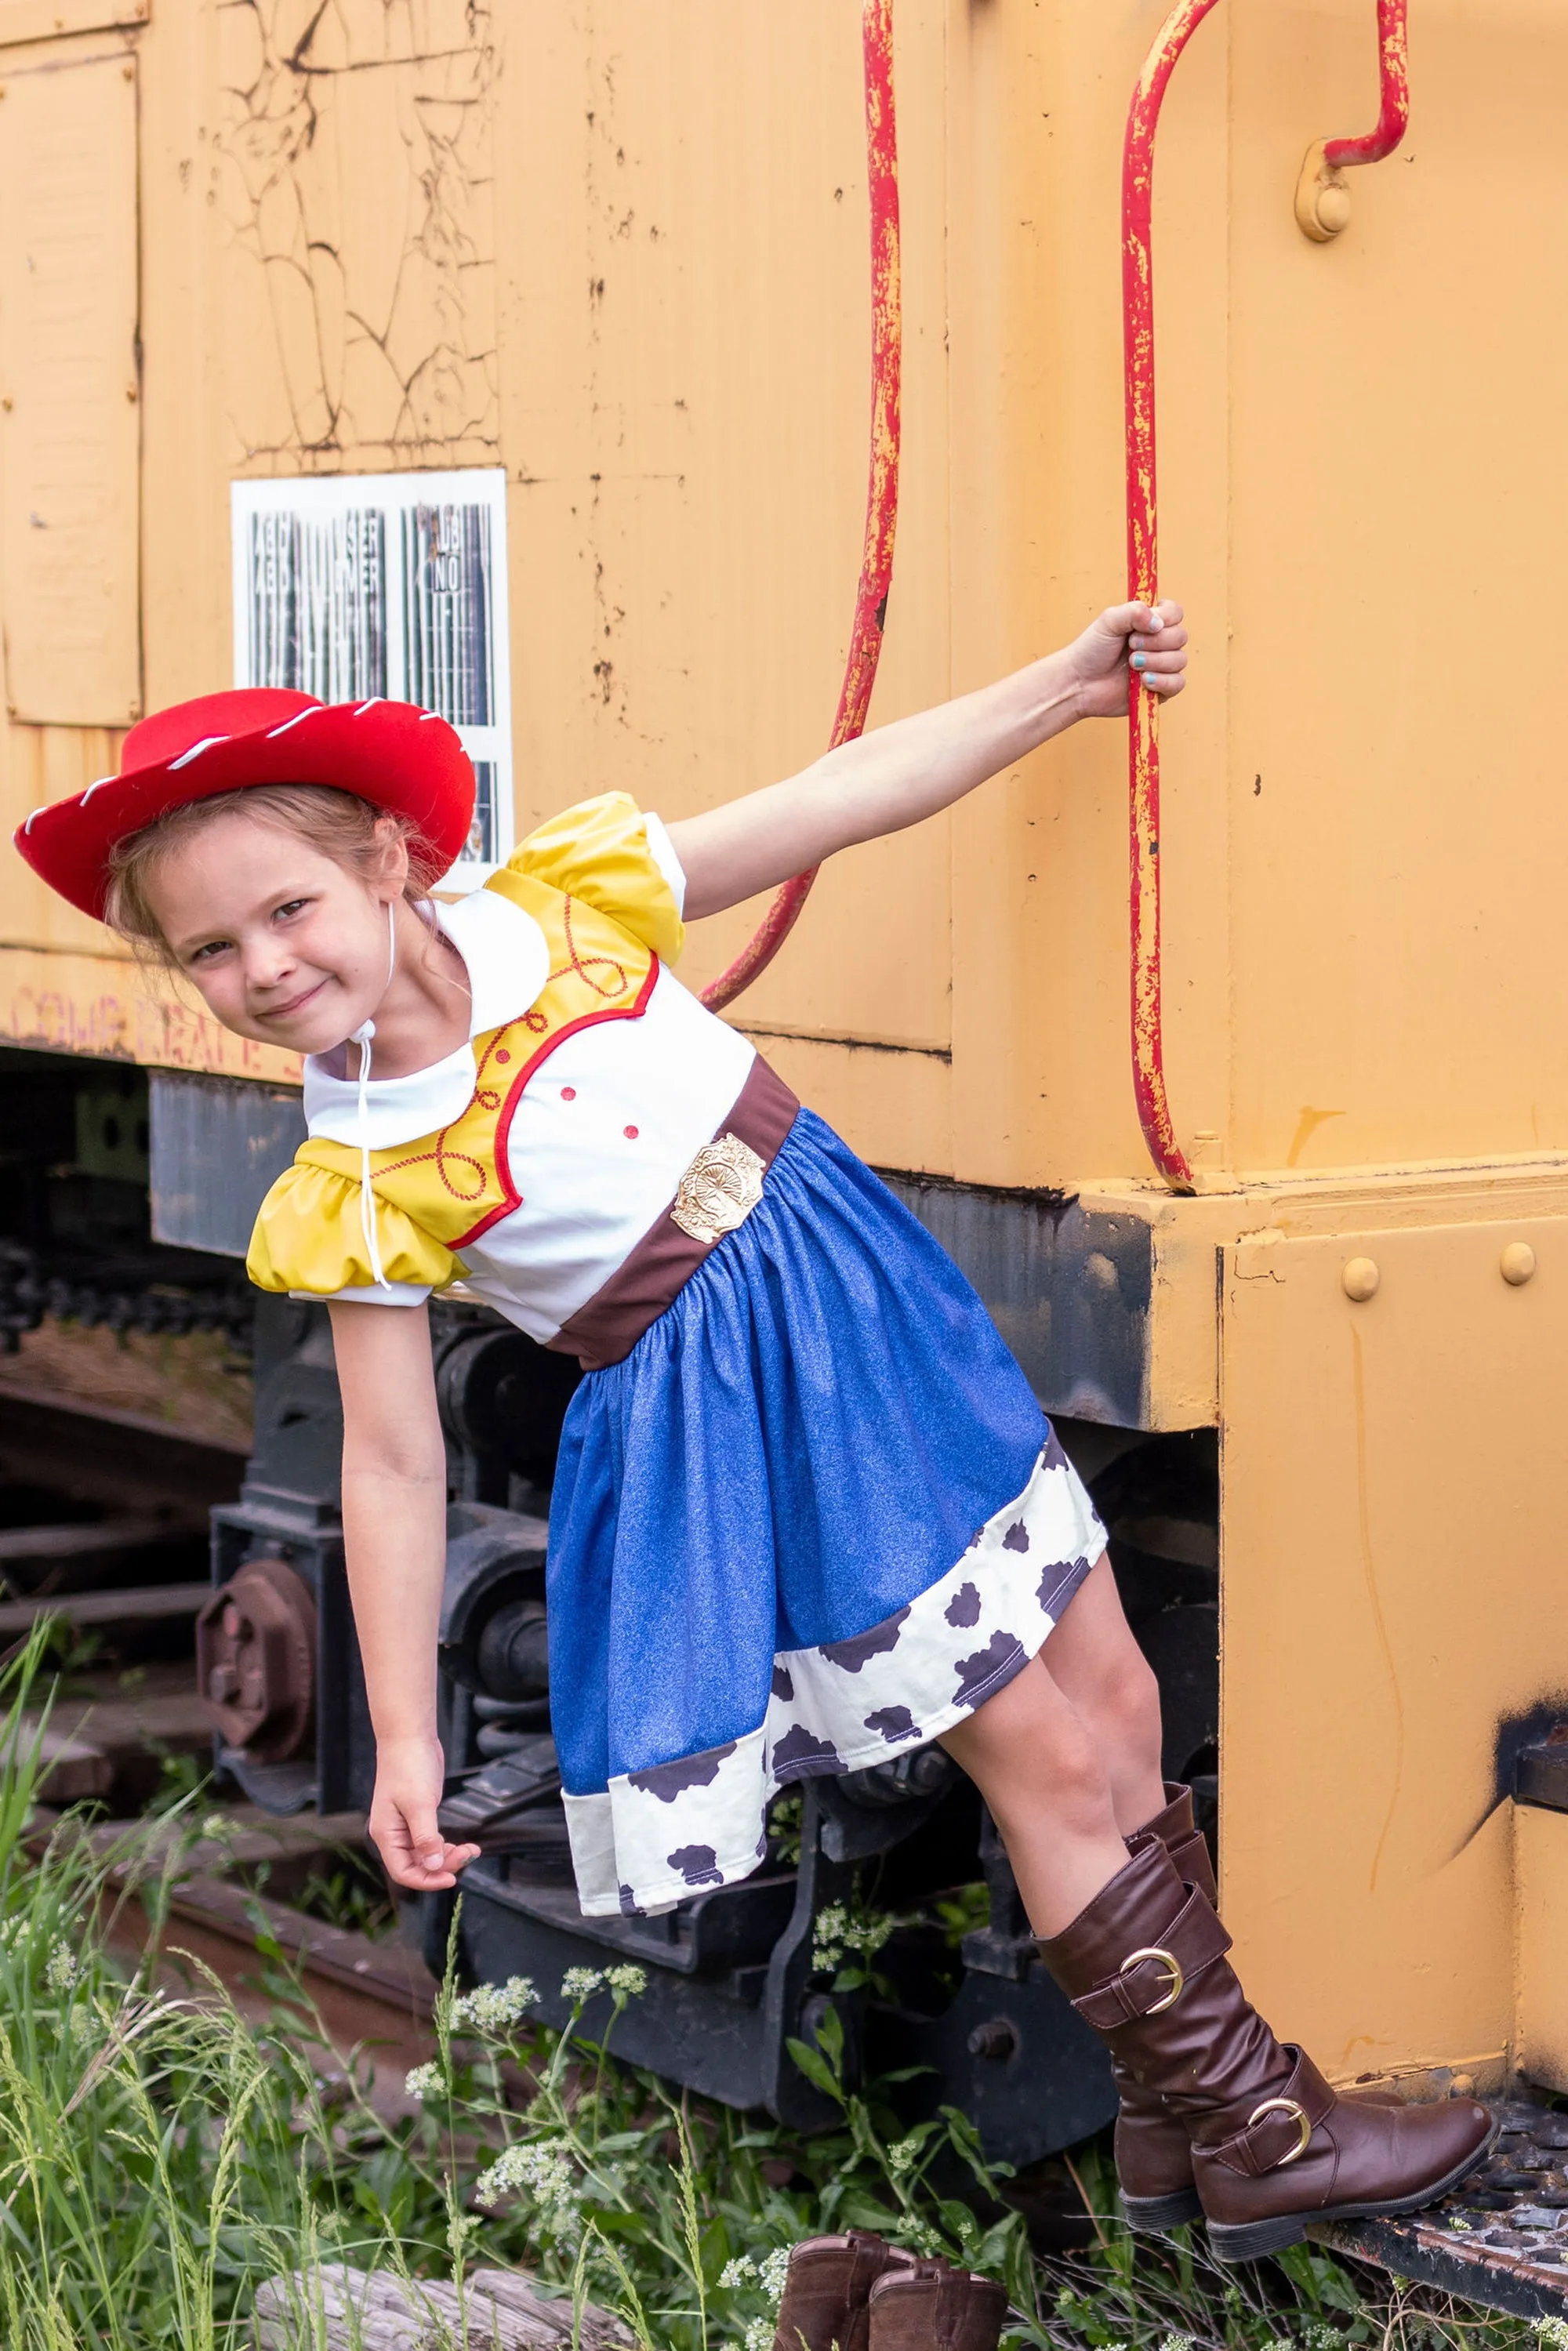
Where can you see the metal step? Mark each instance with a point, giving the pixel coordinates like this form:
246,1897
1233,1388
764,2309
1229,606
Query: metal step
1501,2240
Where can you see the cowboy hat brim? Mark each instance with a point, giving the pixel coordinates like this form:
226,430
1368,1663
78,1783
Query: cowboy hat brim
405,760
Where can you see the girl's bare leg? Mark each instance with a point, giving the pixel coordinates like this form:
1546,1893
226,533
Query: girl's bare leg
1067,1757
1100,1670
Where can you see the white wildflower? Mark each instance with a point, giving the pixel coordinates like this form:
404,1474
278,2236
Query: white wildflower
758,2336
769,2273
493,2007
62,1968
1551,2333
775,2270
423,2081
580,1984
542,2170
828,1935
1189,2343
838,1930
903,2154
629,1981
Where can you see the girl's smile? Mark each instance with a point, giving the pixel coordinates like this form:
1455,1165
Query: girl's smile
287,947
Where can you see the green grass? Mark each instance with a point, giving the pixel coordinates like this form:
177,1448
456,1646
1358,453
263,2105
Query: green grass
160,2157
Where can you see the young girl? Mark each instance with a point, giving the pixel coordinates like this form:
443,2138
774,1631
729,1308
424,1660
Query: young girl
808,1512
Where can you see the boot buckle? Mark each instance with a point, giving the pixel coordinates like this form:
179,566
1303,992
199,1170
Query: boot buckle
1171,1964
1285,2106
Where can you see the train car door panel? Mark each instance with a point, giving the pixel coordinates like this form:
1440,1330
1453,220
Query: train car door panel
69,396
1395,1455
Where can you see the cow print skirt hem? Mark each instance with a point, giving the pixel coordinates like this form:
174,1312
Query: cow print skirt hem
655,1836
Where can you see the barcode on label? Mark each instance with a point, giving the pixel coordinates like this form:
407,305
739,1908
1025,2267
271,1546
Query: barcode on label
390,585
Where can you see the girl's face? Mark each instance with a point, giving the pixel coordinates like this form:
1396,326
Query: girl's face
285,945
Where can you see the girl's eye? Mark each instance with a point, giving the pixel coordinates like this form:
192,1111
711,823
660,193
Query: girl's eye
213,947
289,907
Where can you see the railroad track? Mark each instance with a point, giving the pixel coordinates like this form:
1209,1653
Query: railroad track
104,1526
373,1995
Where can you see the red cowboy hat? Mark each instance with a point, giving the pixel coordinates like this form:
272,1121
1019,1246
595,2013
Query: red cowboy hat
405,760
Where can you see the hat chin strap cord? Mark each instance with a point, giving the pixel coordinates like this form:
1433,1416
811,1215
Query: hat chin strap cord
362,1036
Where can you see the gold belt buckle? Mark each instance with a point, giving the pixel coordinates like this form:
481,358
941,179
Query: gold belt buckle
1172,1966
1284,2107
718,1190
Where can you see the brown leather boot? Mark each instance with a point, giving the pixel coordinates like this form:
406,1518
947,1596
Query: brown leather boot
826,2289
1154,2151
930,2307
1153,2145
1272,2147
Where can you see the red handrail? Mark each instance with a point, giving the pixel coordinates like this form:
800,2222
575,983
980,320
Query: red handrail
1143,585
1393,68
1323,197
1142,502
882,493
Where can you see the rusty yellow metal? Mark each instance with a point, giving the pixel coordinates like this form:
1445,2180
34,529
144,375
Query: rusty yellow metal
1541,1996
1394,1473
70,391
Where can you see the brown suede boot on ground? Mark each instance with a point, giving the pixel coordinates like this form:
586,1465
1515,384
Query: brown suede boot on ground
930,2308
1153,2145
1272,2147
826,2289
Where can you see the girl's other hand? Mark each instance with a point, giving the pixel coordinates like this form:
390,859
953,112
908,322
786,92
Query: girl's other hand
1152,642
410,1774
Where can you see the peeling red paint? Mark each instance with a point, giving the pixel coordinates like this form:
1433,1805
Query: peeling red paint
882,493
1143,584
1394,118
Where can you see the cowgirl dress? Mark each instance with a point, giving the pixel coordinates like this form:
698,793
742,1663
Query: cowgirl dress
807,1510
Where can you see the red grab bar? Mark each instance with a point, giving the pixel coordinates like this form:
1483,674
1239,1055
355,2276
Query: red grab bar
1322,220
1323,199
1143,585
882,492
1393,120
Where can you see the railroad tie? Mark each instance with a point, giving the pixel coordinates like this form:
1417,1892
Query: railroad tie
342,2309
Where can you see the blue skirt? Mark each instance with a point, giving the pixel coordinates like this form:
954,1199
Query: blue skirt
814,1516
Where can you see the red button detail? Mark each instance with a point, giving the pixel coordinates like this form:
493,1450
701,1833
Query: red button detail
569,1093
630,1133
502,1054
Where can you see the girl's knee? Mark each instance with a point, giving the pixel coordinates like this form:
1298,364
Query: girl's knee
1123,1711
1034,1751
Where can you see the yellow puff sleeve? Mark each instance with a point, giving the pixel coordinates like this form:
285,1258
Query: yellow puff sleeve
309,1237
599,851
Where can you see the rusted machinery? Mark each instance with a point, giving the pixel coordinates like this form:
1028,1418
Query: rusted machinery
522,365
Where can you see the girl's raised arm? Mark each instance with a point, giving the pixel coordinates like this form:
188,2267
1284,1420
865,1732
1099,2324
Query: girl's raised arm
893,778
394,1533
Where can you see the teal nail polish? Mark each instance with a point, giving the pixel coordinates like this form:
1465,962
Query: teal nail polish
1140,661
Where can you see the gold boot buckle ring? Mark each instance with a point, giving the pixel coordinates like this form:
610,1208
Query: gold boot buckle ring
1172,1966
1285,2106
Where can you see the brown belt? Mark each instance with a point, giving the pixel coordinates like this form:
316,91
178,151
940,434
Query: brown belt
716,1193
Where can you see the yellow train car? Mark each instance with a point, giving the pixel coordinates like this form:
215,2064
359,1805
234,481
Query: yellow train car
316,321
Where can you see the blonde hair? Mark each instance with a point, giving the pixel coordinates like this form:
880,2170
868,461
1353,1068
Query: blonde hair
339,824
